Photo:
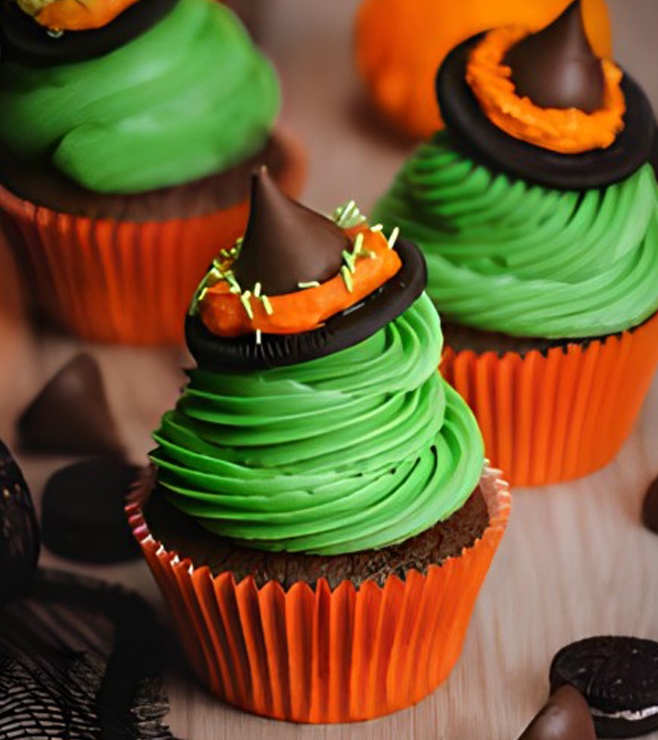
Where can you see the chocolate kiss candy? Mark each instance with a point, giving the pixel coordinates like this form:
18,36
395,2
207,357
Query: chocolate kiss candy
71,415
557,68
19,534
286,243
566,716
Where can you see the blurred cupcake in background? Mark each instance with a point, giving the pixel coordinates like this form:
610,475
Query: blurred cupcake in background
319,531
537,211
400,45
128,131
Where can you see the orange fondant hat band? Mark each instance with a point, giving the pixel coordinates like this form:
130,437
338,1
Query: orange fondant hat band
567,131
549,88
227,313
75,15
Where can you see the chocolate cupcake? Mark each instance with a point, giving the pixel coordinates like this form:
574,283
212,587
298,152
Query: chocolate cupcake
305,493
537,211
127,134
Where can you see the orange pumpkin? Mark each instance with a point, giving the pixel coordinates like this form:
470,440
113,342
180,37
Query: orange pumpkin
401,43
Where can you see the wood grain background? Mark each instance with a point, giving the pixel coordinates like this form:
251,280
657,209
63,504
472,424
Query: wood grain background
575,562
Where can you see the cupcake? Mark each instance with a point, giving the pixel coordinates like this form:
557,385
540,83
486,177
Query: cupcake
537,211
127,134
318,530
400,44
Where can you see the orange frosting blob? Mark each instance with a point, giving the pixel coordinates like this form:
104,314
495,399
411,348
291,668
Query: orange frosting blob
81,15
224,313
567,131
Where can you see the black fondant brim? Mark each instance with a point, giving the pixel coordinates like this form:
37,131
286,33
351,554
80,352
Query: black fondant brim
479,136
340,332
25,41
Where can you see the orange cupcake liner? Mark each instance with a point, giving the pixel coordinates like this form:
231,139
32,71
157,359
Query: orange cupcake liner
322,655
124,281
553,417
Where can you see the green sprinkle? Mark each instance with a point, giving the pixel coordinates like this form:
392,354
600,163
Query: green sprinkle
344,213
350,260
259,336
267,305
347,277
245,302
257,289
358,243
393,237
230,277
378,227
310,284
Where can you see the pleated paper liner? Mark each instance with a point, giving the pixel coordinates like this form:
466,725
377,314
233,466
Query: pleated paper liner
321,655
559,415
123,281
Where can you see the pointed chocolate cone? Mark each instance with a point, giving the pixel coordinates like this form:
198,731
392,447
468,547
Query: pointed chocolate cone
71,415
566,716
286,243
557,68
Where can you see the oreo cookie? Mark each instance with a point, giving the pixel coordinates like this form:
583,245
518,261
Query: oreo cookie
619,678
340,332
83,514
483,139
25,41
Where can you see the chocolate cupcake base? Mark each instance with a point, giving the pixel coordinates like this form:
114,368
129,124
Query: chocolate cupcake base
321,653
445,540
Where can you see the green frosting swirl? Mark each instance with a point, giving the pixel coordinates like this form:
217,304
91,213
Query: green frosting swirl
189,97
507,256
361,449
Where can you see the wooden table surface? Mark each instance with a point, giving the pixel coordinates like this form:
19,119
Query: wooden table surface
575,562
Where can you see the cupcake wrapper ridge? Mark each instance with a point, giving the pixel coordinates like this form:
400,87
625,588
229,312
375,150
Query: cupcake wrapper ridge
553,417
317,655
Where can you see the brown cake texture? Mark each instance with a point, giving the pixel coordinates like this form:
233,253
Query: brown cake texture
181,534
45,186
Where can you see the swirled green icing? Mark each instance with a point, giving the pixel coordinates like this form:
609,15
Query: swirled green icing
189,97
504,255
361,449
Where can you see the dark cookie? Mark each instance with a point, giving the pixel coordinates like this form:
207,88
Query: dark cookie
619,678
71,414
25,41
595,169
83,514
565,716
340,332
19,534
